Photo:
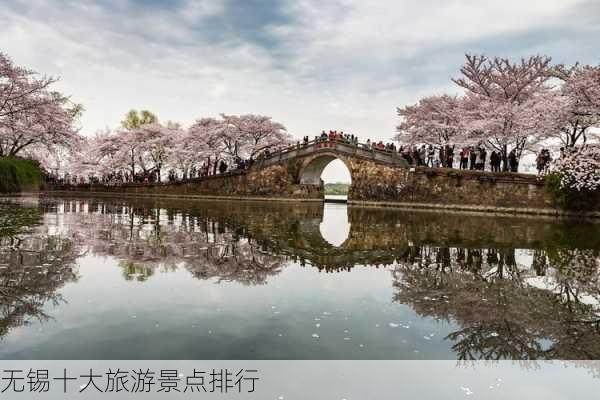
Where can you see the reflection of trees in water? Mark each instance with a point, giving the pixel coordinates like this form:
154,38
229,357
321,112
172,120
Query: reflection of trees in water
576,272
15,221
241,261
33,266
507,310
146,239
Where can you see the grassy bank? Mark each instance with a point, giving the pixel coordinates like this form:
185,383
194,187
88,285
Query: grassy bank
337,188
17,174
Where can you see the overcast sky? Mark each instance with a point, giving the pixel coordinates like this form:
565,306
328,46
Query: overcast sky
310,64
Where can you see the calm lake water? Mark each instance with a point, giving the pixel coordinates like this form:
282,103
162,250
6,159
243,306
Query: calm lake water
154,279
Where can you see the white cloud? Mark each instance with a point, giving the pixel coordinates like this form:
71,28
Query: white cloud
320,65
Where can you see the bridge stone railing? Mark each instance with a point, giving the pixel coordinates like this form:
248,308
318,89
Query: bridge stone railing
388,157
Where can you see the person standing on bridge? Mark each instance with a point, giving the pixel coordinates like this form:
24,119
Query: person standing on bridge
513,161
495,161
222,167
449,155
430,155
483,158
478,160
416,156
464,158
472,157
422,155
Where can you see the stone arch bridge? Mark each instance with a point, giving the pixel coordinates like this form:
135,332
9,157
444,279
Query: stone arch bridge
370,169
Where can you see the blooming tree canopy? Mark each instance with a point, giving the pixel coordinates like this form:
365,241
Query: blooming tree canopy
577,106
157,142
243,136
31,116
199,143
88,157
257,133
433,120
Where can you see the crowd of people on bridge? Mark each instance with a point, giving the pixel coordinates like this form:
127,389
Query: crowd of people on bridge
469,158
207,168
335,136
476,158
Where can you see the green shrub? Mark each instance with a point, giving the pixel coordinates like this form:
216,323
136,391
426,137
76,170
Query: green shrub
567,197
18,174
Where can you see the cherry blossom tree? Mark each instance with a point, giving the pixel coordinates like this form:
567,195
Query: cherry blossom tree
157,142
129,149
584,81
190,147
137,144
20,90
432,120
146,148
31,116
504,102
235,136
50,126
245,136
577,105
202,142
85,160
108,151
54,161
91,156
257,133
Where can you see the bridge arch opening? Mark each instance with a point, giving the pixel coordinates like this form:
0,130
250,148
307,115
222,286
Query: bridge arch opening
330,171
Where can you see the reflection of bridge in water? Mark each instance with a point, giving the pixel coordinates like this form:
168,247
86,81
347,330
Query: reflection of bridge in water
452,267
380,236
374,236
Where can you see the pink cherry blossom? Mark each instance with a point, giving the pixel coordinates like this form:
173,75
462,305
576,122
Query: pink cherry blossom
33,118
433,120
578,105
579,168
